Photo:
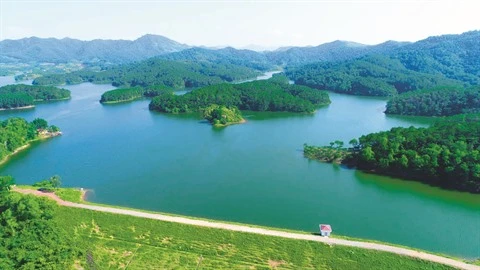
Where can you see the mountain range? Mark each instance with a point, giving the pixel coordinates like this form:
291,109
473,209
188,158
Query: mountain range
384,69
33,49
54,50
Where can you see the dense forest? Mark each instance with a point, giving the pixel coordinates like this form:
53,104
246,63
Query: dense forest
29,236
17,132
155,71
269,95
20,95
132,93
436,102
446,154
369,76
219,115
15,100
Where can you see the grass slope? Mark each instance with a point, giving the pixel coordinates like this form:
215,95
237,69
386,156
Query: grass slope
114,241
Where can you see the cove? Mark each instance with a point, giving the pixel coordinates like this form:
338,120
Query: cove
251,173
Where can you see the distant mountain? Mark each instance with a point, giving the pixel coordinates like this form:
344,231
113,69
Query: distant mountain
229,55
258,48
449,60
454,56
329,52
54,50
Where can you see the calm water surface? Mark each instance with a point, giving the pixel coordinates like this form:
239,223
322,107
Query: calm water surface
251,173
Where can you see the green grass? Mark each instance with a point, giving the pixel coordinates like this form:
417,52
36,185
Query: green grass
69,194
116,241
74,195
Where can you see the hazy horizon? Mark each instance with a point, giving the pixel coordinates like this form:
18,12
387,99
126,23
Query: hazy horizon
240,24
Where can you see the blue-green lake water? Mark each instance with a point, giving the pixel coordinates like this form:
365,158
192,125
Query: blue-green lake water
251,173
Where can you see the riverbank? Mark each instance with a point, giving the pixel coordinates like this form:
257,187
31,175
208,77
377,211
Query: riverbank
329,243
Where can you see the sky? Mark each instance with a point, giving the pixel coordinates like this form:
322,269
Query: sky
240,23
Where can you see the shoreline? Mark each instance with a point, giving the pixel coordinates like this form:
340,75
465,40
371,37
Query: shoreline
48,100
121,101
18,108
402,177
28,144
462,263
243,121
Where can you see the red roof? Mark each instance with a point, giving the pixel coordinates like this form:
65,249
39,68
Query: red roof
325,227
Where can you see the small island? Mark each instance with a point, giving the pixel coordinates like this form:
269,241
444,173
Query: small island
274,94
220,115
445,154
16,134
133,93
21,96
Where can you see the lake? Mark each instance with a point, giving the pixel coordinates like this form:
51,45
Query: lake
250,173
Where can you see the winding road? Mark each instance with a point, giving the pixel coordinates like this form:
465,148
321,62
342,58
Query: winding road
248,229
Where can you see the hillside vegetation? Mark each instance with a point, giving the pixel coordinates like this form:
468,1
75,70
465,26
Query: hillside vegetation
268,95
368,76
449,60
154,71
228,55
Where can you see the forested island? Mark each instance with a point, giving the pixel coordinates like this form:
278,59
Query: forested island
132,93
21,95
154,71
447,154
220,115
122,95
444,101
16,133
274,94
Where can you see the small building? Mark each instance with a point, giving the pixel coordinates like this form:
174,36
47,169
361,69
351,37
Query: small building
325,230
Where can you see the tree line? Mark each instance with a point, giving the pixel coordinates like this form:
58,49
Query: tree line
436,102
266,95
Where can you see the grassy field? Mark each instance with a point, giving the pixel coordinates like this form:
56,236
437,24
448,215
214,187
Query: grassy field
110,241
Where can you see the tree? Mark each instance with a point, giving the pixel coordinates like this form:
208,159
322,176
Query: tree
353,142
5,183
55,181
50,184
53,128
40,123
29,235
